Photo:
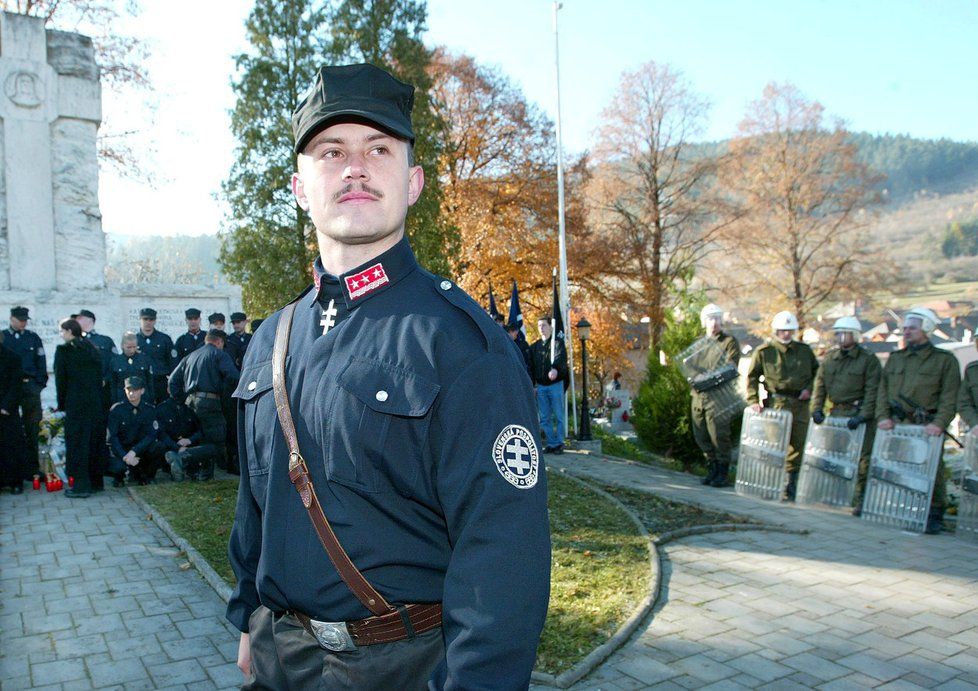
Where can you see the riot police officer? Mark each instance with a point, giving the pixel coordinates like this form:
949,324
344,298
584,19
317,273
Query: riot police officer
712,432
412,412
788,368
968,396
130,363
159,347
920,386
193,339
28,347
847,384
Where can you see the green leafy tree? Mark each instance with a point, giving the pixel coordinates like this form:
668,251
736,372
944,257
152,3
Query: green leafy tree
268,243
387,33
661,410
960,239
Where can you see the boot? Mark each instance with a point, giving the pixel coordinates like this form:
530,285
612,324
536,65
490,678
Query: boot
721,477
788,493
710,475
935,522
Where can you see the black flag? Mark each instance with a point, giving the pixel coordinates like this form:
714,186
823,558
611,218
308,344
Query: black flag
493,312
556,321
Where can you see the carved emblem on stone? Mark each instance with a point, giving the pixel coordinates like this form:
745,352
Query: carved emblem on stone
25,89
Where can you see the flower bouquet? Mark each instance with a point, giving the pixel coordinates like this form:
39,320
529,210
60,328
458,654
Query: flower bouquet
51,438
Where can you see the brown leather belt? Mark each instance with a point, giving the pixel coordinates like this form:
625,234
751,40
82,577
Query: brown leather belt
206,394
387,628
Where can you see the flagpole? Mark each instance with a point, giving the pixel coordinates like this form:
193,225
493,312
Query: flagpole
564,296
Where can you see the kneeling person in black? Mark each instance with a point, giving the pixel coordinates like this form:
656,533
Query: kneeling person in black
181,435
133,434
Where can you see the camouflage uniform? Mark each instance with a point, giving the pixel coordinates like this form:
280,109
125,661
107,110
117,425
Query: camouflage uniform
788,369
848,381
712,433
929,377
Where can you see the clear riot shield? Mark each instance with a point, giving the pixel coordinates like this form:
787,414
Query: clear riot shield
830,464
901,477
763,449
968,504
708,369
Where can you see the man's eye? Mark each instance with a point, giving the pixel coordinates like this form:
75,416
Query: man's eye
380,150
332,153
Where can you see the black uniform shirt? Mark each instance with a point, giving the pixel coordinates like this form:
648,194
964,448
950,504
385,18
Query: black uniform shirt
29,348
159,347
207,370
177,421
107,349
236,347
132,428
419,430
186,344
122,366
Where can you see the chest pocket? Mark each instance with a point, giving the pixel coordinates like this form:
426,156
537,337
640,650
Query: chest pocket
259,419
376,426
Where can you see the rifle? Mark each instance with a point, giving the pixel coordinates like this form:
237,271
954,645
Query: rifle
919,415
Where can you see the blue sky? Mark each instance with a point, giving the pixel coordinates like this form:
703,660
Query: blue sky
900,66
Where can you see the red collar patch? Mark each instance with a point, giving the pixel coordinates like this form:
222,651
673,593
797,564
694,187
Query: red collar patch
366,281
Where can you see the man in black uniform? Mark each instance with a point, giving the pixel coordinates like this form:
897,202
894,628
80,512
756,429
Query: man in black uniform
216,320
12,471
130,363
236,346
133,434
416,423
27,345
193,339
182,436
200,379
159,347
238,339
106,348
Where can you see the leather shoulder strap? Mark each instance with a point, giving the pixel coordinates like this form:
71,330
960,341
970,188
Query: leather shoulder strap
299,475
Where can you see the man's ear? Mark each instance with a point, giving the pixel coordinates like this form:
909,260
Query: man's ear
415,183
299,192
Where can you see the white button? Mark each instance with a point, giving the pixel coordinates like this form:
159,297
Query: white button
252,386
446,285
381,395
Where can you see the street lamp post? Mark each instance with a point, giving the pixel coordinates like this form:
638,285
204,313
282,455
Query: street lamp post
584,430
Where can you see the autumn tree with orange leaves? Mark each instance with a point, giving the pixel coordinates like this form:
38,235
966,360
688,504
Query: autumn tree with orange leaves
498,172
806,202
651,198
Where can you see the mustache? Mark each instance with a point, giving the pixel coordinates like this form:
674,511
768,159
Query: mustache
359,187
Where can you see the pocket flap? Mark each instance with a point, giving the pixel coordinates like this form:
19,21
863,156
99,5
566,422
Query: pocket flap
255,380
388,388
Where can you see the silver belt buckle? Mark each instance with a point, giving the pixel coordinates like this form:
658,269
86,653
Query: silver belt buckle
333,635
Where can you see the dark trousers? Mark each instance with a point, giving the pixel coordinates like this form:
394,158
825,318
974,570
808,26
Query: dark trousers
160,393
30,414
286,656
198,461
13,467
211,418
81,450
150,461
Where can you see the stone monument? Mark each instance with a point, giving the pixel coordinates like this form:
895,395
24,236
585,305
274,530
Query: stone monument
52,247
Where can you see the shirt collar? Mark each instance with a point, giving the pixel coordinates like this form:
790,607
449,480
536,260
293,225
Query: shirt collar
370,278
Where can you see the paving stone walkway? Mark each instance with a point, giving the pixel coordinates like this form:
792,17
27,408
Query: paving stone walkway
92,595
849,605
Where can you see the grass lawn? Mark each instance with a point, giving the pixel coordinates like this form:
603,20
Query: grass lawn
600,562
633,450
202,512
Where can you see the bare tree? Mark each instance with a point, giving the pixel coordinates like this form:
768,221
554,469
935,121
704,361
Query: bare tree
120,58
651,200
805,201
